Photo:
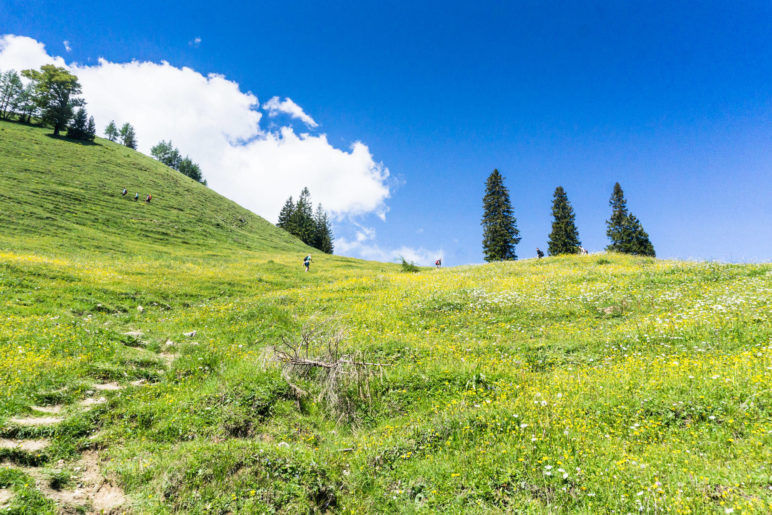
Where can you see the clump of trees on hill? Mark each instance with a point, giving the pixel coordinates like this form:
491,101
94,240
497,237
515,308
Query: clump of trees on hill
52,97
126,135
312,228
500,233
169,155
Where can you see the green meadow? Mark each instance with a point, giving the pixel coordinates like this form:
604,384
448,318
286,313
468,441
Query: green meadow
151,335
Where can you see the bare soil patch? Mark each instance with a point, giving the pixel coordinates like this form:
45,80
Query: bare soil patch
35,421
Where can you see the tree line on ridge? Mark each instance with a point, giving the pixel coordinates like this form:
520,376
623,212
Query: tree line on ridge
500,233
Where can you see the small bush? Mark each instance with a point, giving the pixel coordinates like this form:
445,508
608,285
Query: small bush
409,267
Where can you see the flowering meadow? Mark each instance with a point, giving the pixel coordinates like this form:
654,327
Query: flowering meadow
601,383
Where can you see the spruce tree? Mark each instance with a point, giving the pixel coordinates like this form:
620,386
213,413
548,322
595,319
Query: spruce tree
90,129
564,238
639,243
285,215
616,226
625,230
78,125
303,218
322,231
500,234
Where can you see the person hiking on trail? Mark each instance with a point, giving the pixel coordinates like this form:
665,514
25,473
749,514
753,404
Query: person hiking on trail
148,198
539,253
136,196
438,263
307,262
124,192
583,251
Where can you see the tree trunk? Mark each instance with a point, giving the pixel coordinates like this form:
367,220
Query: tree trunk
56,130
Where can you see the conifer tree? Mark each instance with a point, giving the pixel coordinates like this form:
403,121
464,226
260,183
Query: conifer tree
285,215
78,125
616,226
90,129
624,230
322,231
302,220
640,243
500,234
111,131
564,238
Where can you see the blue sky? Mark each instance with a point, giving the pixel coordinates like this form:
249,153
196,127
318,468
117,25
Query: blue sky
672,101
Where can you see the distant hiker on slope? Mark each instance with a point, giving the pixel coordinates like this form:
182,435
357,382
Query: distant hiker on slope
124,192
307,262
539,253
583,251
438,263
148,198
136,196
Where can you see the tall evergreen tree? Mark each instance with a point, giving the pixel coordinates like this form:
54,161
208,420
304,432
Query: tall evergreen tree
322,231
564,238
128,137
78,125
624,230
111,131
56,93
500,234
90,129
285,215
616,226
302,221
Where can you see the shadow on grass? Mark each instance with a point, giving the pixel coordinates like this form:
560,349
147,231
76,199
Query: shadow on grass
76,141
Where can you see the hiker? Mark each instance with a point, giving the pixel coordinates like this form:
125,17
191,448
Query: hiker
438,263
583,251
136,196
124,192
148,198
539,253
307,262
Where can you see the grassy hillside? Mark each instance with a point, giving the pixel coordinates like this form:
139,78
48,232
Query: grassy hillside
64,196
599,383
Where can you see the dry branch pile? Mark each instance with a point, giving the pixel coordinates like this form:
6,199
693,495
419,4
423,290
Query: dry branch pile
343,380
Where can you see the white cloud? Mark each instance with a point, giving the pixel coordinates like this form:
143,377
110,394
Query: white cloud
375,252
218,125
275,107
195,42
364,246
67,45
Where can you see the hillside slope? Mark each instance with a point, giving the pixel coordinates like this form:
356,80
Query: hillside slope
65,196
146,375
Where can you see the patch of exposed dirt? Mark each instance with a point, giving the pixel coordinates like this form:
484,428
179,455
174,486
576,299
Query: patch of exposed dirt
5,496
35,421
24,445
107,387
92,401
